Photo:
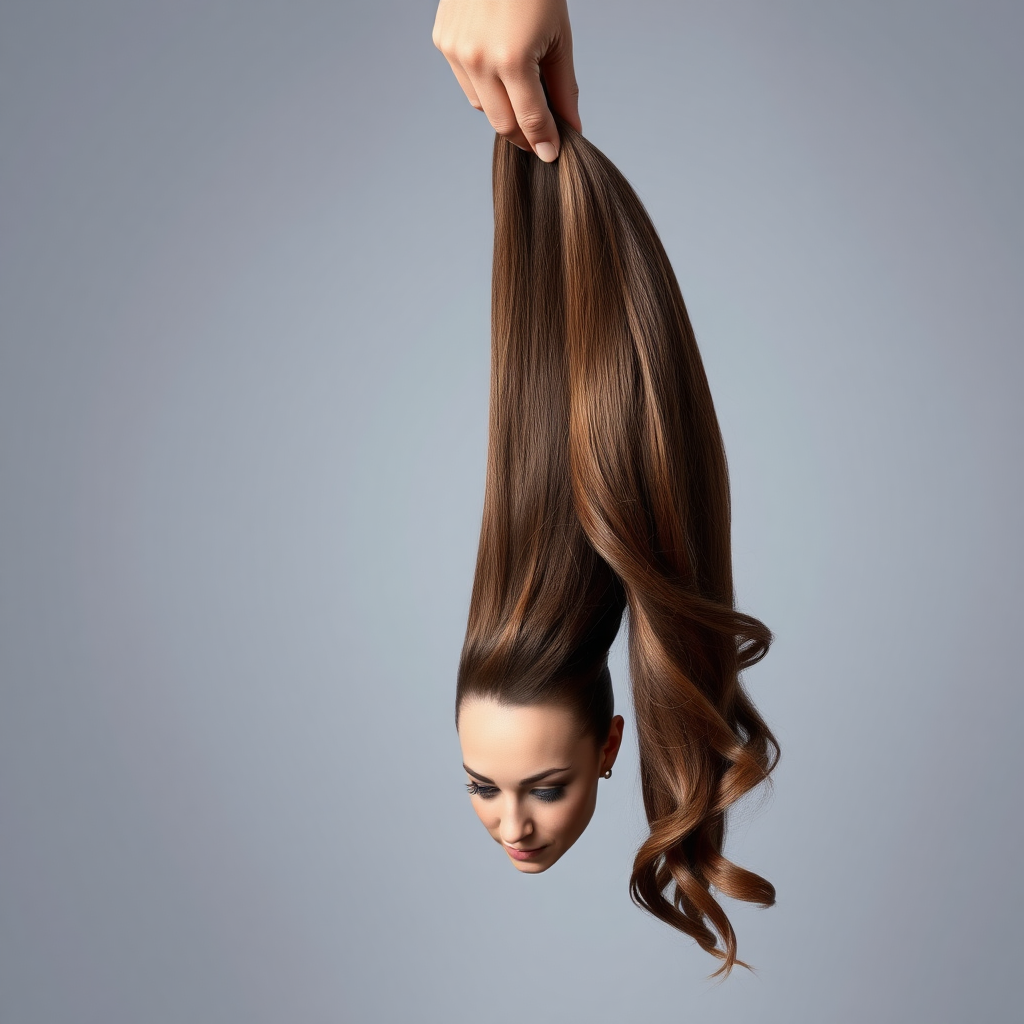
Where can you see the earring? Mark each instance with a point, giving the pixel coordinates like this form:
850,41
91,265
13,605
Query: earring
607,774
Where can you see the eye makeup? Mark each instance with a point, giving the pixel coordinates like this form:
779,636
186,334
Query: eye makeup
549,794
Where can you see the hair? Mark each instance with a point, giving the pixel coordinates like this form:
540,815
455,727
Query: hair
607,494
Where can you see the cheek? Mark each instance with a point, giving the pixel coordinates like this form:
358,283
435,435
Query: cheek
569,816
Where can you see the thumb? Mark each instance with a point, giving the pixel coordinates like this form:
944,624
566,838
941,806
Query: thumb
560,83
526,94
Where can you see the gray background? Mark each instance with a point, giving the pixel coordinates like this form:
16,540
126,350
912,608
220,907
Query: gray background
245,277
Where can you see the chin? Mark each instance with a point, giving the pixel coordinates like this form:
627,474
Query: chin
527,868
534,867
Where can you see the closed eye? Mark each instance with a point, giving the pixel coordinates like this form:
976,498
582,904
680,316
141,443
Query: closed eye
549,795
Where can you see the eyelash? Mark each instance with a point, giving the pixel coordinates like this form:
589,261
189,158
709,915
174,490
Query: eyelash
549,795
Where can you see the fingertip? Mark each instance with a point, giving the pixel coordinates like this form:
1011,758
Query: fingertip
547,152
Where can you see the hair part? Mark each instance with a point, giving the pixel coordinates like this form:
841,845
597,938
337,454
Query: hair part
607,494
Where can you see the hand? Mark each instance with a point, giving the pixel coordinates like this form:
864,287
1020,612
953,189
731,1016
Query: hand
499,49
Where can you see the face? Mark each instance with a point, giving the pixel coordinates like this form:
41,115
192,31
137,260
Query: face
532,776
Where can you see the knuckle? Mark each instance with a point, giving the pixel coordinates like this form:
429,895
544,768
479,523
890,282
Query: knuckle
443,41
533,122
507,63
503,125
472,59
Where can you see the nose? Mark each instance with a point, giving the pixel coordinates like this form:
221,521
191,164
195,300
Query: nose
516,825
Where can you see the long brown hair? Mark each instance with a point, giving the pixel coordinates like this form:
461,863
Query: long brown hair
607,492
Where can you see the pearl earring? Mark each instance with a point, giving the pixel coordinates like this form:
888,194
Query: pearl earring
607,774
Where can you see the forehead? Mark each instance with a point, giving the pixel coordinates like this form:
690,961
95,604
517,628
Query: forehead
516,741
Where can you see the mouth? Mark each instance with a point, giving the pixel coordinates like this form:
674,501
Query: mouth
525,854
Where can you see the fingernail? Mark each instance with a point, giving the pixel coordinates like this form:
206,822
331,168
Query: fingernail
547,152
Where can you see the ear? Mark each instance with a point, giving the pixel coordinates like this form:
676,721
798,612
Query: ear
610,750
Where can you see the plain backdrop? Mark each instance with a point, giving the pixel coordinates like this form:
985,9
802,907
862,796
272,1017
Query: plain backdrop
244,300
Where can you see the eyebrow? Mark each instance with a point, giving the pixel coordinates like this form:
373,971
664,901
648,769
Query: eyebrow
524,782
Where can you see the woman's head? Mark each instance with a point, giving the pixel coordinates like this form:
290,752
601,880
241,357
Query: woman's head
534,747
532,774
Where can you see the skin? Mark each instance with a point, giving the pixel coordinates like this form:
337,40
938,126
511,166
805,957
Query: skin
498,50
503,748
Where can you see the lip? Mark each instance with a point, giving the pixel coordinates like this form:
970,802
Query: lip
524,854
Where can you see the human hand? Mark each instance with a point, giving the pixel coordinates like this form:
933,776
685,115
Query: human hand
499,49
